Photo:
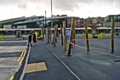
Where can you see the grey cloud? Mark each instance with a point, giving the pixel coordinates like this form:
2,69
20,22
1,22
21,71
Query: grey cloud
69,4
10,2
60,4
22,6
46,2
117,3
107,2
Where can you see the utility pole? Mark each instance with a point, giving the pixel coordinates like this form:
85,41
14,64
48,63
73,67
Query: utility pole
51,22
45,17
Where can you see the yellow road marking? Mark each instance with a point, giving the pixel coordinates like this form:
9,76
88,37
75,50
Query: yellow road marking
31,68
22,58
35,67
21,55
41,66
1,29
12,77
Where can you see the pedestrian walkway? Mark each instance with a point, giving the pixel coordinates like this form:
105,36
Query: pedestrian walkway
89,65
43,65
9,53
51,63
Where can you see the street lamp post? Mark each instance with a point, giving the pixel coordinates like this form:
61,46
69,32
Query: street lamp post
44,28
45,18
51,21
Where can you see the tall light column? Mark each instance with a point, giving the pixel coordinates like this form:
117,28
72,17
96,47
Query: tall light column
51,21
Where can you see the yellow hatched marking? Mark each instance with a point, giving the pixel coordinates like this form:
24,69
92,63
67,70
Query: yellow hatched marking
30,68
41,66
35,67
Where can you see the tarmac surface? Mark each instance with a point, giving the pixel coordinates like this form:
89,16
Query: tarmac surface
46,62
97,64
9,53
53,68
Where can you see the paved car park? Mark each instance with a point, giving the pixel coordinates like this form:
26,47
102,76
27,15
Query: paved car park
9,53
46,62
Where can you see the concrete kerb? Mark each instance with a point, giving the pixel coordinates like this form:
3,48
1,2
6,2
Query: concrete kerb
26,61
20,60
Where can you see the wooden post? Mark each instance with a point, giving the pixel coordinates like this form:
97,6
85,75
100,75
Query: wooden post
74,30
64,35
43,33
74,34
112,34
71,36
48,34
55,37
61,34
56,32
86,33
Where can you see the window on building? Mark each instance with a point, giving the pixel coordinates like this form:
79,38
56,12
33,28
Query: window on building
78,20
115,17
118,17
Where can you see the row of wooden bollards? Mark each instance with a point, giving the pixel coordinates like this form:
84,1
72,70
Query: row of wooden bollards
72,35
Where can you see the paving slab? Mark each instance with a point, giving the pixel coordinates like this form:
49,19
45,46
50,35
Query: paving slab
9,54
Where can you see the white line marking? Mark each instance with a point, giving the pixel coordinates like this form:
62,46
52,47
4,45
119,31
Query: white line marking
23,73
63,63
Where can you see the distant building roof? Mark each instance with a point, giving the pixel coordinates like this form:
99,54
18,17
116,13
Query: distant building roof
19,19
42,19
11,20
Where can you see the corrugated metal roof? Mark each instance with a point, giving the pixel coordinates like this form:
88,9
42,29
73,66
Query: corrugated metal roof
12,20
42,19
19,18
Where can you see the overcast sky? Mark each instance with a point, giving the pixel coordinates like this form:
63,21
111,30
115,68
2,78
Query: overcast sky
80,8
